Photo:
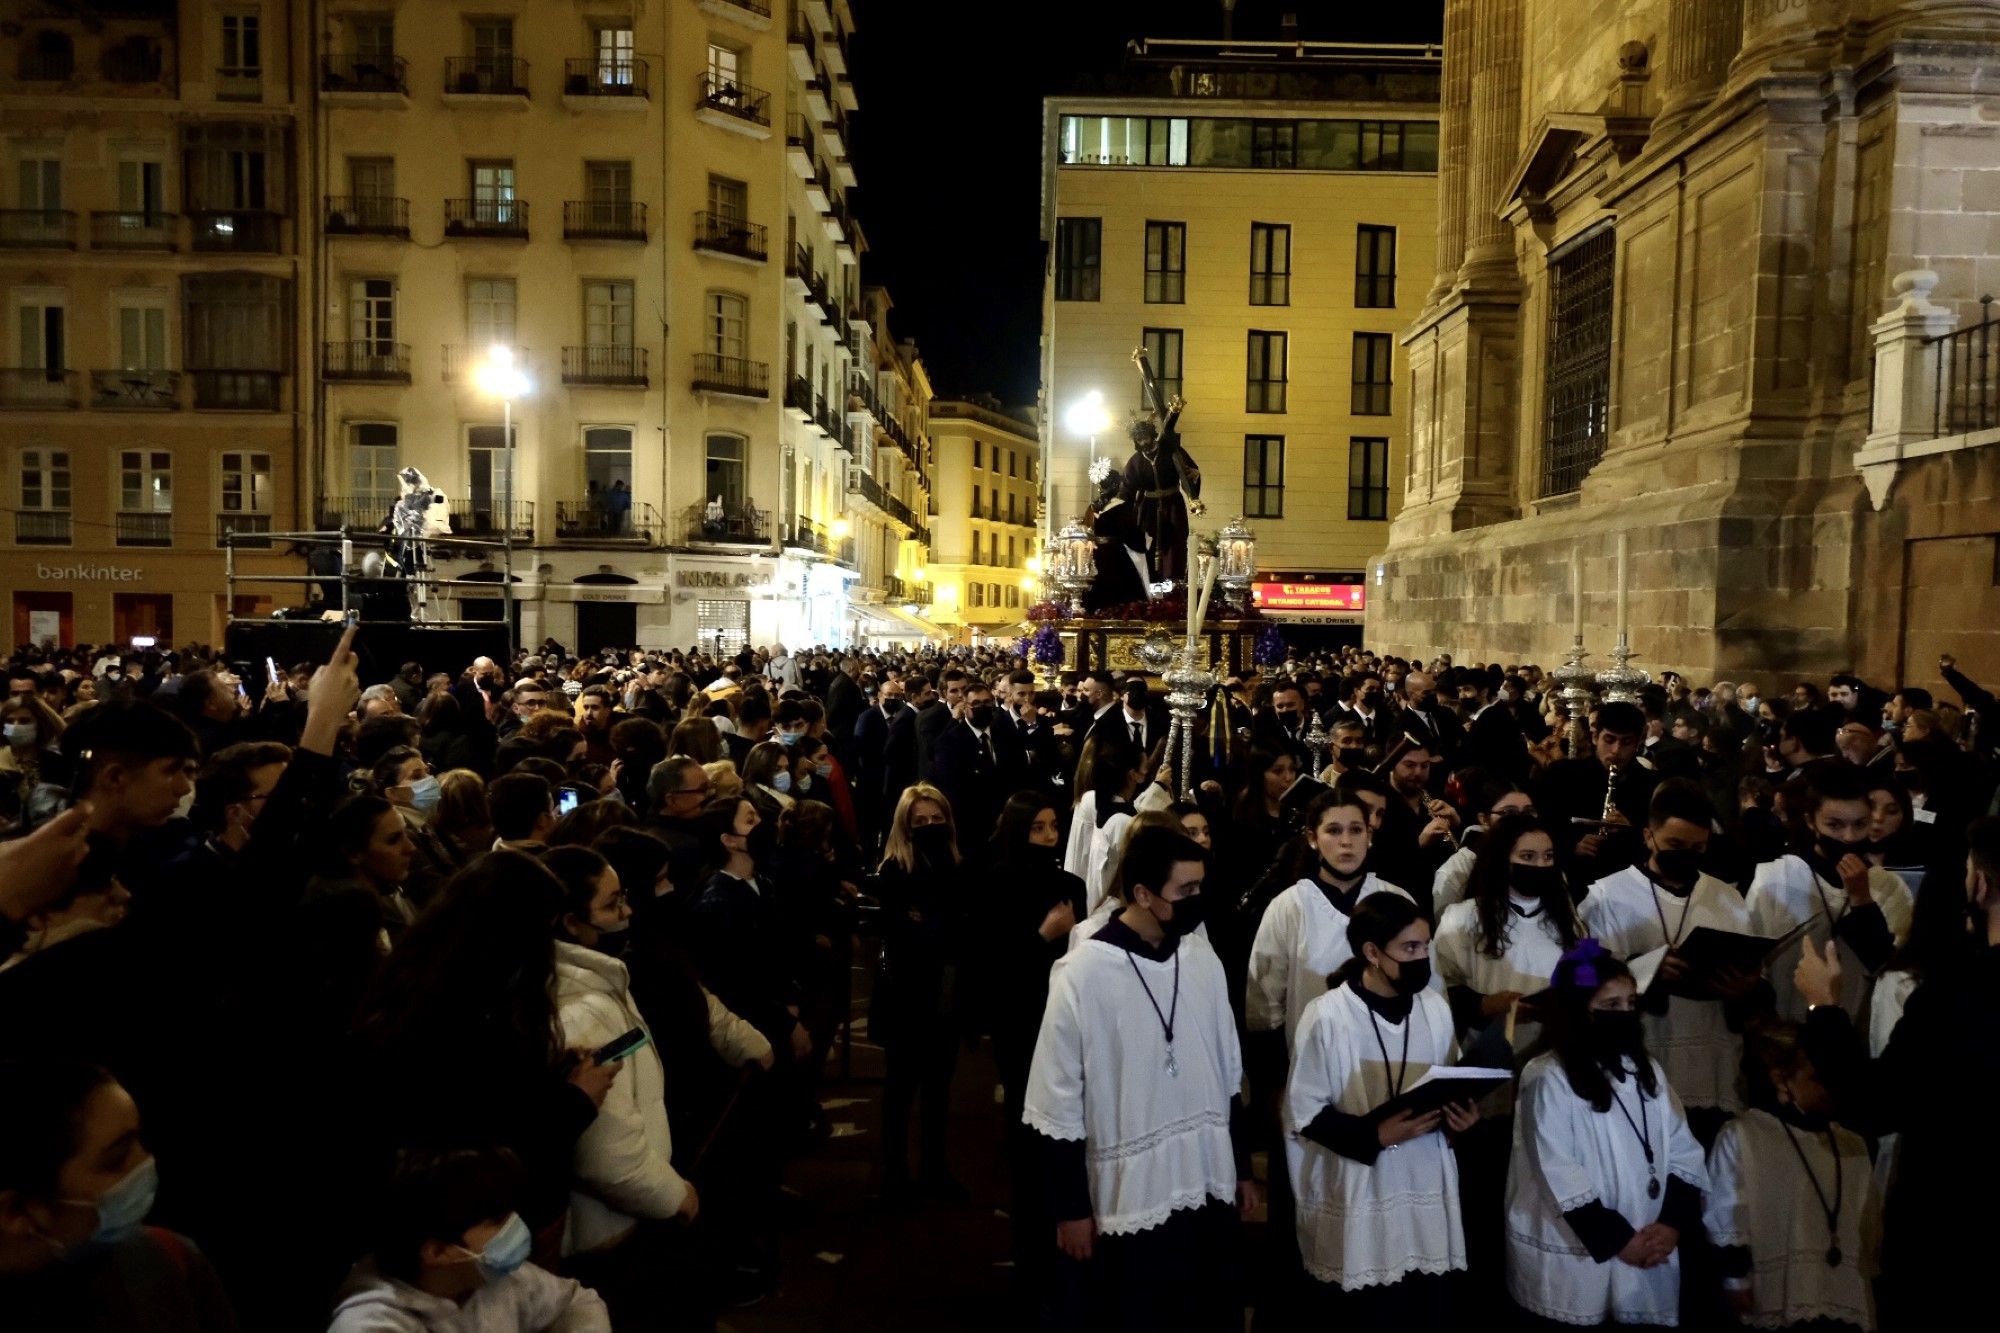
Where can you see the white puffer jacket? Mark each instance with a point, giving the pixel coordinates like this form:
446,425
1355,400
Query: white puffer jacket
624,1161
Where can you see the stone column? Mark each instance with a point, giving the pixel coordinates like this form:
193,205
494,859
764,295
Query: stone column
1455,125
1702,38
1495,141
1789,36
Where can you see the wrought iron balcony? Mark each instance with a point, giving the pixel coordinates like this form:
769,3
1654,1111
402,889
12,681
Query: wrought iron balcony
364,74
731,375
731,98
603,220
592,520
809,536
367,361
861,484
238,390
507,218
895,588
42,527
49,390
38,228
486,76
364,513
798,131
143,529
367,215
135,390
236,231
604,365
479,517
597,76
243,530
799,396
761,8
725,233
132,231
737,525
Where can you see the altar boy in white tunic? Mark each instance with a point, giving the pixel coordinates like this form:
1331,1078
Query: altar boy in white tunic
1606,1176
1378,1210
1660,901
1792,1207
1133,1092
1830,882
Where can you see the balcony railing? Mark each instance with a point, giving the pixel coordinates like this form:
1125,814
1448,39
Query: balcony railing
238,231
798,131
238,390
603,220
728,234
809,536
45,389
900,512
869,489
135,390
239,83
761,8
799,395
731,98
731,374
604,365
800,34
39,228
132,231
367,360
364,512
42,527
895,588
365,74
46,66
1965,365
486,76
367,215
147,529
595,520
478,517
486,217
242,530
737,525
595,76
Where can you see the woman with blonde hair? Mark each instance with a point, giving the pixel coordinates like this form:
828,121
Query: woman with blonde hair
461,818
916,1010
697,738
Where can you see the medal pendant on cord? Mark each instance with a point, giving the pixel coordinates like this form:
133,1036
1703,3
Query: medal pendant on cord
1173,1065
1653,1188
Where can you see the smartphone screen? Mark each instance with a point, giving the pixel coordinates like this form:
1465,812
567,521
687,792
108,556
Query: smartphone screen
566,799
271,669
618,1048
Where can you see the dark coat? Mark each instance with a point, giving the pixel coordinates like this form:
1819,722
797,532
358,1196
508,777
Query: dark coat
976,785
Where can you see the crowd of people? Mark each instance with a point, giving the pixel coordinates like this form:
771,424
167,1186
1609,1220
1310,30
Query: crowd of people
500,998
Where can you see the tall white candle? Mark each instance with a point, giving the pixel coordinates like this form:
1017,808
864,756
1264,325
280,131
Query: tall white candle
1624,551
1576,591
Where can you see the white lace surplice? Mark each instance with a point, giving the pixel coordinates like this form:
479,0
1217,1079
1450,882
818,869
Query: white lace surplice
1301,941
1363,1225
1154,1143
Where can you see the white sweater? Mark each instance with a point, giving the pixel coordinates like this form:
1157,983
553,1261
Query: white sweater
624,1161
529,1298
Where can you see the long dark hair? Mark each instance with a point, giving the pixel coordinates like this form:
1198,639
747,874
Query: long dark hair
484,952
1491,877
1257,762
1582,972
1377,919
1010,830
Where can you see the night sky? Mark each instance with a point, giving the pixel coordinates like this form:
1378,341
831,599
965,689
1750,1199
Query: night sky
948,151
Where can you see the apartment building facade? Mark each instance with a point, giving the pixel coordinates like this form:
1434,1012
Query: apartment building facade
986,542
1249,214
153,234
646,203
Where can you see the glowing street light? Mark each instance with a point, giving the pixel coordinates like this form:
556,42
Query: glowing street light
840,528
1089,416
499,377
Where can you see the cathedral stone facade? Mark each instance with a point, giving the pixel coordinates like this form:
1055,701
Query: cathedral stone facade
1697,261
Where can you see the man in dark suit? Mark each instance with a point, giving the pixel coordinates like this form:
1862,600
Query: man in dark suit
1144,718
1572,789
844,705
1282,728
885,754
1367,703
1429,721
976,763
1494,743
939,712
1098,699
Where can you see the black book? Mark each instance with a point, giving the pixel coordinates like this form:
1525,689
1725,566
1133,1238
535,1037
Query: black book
1442,1084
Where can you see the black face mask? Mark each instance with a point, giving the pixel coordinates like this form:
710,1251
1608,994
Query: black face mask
1536,881
981,716
1615,1033
1189,912
612,942
892,706
1832,851
1678,866
1412,975
933,843
1352,756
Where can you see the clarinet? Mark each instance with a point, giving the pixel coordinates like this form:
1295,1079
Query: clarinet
1603,819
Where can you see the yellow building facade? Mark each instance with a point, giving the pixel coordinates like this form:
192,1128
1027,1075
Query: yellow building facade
153,228
646,201
985,545
1260,218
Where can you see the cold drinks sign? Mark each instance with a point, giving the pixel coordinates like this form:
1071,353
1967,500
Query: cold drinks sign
1315,598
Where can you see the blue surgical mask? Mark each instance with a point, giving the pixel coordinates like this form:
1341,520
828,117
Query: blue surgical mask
782,782
824,770
424,794
508,1249
789,738
124,1206
21,734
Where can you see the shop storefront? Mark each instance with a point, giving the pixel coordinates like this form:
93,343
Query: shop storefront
1314,608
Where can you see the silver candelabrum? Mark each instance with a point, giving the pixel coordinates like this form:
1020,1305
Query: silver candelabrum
1622,682
1576,681
1188,682
1319,742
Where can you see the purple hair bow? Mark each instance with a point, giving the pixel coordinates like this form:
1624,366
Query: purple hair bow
1580,963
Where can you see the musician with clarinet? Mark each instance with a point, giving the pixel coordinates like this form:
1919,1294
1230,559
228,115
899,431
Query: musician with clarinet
1596,803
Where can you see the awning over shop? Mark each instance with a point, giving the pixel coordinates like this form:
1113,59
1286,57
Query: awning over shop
882,621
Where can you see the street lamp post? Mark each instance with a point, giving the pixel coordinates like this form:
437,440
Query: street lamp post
498,377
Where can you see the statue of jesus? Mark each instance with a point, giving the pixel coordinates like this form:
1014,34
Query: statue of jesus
1161,480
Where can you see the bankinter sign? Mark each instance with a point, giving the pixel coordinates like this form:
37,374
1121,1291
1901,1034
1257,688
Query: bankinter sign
1309,596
